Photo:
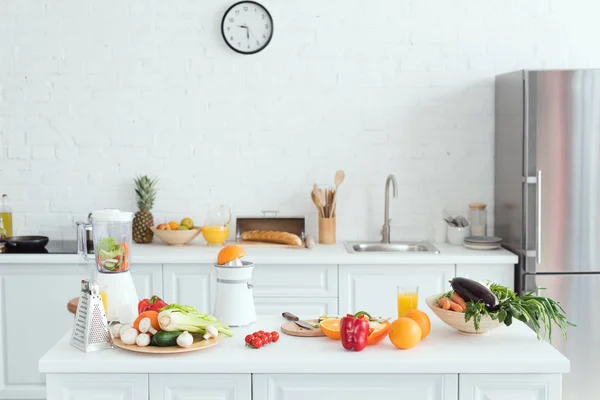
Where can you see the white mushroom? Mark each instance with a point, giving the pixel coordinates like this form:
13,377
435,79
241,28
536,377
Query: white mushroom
123,328
142,340
146,326
114,331
211,331
129,336
185,339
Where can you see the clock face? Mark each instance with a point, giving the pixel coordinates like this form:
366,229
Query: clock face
247,27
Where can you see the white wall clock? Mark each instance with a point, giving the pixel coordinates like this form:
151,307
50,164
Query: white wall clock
247,27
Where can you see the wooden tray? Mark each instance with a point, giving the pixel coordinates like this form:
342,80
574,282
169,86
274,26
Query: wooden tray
290,328
199,345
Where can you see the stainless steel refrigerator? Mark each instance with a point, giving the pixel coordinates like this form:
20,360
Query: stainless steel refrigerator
547,202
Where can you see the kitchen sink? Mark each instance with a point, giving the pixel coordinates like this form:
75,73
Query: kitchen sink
396,247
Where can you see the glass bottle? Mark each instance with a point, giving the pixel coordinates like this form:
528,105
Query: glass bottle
478,219
6,215
2,234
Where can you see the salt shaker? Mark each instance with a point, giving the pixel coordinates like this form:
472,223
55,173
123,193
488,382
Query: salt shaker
478,219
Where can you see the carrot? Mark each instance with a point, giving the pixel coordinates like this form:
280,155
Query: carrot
458,300
444,303
151,315
455,307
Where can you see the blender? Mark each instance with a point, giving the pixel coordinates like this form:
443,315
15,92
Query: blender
111,235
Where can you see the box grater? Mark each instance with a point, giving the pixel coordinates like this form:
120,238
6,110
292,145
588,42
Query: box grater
90,329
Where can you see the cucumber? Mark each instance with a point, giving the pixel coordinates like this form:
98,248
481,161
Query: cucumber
165,339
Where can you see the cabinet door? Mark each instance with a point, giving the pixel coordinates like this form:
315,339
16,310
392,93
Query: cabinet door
354,387
41,291
373,288
510,386
503,274
302,307
200,387
277,280
97,386
189,284
147,279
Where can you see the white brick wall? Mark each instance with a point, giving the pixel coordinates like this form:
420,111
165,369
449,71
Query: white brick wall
93,93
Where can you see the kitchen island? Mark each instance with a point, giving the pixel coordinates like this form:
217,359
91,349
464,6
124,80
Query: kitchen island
324,280
508,363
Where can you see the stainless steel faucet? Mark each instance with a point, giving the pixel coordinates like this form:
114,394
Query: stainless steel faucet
385,231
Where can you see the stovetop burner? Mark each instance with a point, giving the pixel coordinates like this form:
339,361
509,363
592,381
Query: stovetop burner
53,247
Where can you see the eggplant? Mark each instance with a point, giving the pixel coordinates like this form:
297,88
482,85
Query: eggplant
473,291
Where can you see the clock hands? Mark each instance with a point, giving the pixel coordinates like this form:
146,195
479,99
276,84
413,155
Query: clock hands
247,31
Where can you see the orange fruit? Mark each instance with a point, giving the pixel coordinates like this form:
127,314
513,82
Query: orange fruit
331,328
422,319
405,333
174,225
230,253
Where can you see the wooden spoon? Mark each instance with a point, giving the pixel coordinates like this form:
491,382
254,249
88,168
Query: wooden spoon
339,179
318,194
317,203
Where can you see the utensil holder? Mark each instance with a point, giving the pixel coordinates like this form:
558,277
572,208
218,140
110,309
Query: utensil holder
326,230
457,235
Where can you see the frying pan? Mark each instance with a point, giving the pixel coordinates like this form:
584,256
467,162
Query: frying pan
26,243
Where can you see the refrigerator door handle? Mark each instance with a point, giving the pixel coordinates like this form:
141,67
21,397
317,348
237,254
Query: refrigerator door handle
538,217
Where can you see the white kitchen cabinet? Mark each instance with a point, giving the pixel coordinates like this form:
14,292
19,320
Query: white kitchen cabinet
355,387
33,317
372,288
200,387
148,279
277,280
97,386
302,307
510,386
189,284
503,274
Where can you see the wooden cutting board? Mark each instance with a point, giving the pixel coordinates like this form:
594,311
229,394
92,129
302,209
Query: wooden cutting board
290,328
247,243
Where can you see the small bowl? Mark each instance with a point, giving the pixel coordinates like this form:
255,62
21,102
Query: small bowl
176,237
457,235
457,319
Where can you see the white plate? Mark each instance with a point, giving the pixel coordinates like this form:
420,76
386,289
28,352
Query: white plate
482,246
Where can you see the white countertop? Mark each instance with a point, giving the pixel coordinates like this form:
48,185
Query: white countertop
513,349
158,253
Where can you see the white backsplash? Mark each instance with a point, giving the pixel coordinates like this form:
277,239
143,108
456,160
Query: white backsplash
94,93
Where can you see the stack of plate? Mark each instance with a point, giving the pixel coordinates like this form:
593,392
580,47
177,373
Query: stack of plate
483,242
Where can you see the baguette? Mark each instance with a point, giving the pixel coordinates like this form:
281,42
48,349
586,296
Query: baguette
272,237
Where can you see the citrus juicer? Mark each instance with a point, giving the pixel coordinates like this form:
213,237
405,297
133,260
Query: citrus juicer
111,234
234,303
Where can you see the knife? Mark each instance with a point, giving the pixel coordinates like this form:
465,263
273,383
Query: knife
297,321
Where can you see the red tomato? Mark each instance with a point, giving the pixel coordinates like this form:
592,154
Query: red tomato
256,343
265,339
261,332
256,334
248,339
275,336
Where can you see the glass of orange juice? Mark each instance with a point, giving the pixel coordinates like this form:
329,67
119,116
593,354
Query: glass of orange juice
408,299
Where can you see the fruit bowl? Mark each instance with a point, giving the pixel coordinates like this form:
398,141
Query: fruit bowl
176,237
457,319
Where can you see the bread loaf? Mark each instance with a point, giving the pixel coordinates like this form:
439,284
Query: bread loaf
272,237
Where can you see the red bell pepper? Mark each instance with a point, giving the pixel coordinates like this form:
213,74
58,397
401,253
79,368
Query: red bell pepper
154,303
354,331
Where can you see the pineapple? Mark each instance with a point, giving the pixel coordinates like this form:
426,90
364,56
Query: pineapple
145,191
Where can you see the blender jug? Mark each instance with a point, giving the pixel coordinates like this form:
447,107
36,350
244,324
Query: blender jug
111,233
